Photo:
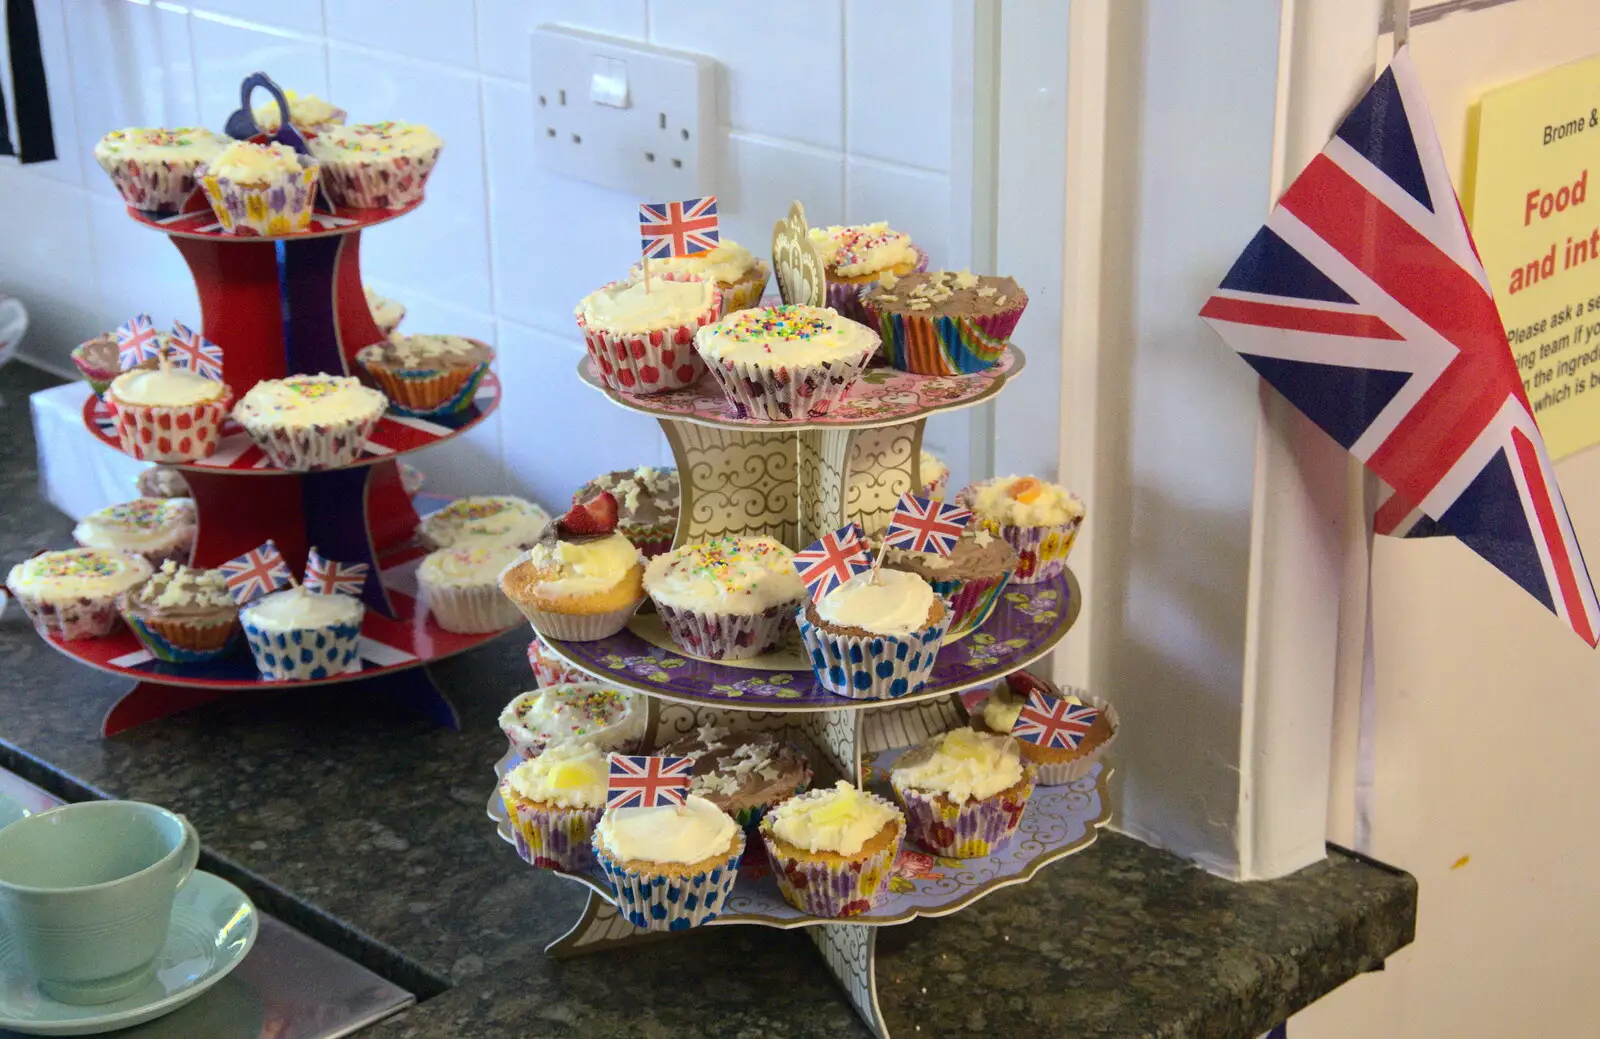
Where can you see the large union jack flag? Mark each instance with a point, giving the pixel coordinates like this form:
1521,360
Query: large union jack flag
669,229
256,573
195,352
137,340
1364,303
924,525
327,577
647,781
1050,721
832,560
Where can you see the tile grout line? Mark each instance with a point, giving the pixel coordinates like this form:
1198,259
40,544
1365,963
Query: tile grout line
844,111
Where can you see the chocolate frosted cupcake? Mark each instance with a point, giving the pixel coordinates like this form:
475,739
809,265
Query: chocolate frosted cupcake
744,774
426,375
647,505
970,578
99,361
944,323
182,615
1075,751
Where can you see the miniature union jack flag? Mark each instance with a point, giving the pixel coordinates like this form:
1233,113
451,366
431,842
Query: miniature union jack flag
647,781
1364,303
671,229
195,352
329,578
256,573
925,525
137,340
1049,721
832,560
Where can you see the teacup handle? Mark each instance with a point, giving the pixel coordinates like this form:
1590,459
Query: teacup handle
191,851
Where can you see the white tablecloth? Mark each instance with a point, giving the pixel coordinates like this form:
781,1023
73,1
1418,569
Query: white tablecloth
77,472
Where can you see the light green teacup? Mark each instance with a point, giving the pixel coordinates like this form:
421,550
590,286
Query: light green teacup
86,891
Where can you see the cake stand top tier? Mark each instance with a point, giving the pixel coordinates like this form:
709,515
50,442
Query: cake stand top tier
199,222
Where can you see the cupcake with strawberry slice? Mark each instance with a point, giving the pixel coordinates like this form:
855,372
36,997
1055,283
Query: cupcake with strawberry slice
582,580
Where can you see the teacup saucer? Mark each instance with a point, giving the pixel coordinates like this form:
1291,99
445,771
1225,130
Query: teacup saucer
213,927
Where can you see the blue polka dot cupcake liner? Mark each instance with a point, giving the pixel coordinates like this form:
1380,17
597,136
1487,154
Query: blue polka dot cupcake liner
873,667
671,901
303,653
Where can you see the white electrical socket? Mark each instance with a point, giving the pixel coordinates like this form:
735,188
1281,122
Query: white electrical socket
623,114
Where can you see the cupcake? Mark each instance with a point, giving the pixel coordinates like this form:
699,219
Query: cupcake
489,519
160,529
832,850
963,792
310,422
858,255
647,505
727,598
670,867
785,362
376,165
73,593
737,271
182,615
586,712
1057,765
462,588
873,638
583,580
154,169
386,313
1040,520
970,578
168,415
298,634
643,341
554,802
943,323
98,360
306,112
745,774
549,669
935,476
427,375
260,189
163,481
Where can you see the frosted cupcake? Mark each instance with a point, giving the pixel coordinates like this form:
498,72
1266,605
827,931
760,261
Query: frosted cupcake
585,712
737,271
163,481
745,774
386,313
462,588
154,169
971,578
785,362
647,505
376,165
855,256
832,850
549,669
260,189
643,341
182,615
935,476
1040,520
160,529
670,868
306,112
1053,765
73,593
944,323
309,422
99,361
963,792
427,375
582,581
297,634
491,519
554,802
875,639
168,415
726,598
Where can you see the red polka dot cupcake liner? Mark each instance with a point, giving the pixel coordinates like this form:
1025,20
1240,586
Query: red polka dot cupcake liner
171,434
656,361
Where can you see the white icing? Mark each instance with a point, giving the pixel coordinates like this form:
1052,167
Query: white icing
965,765
568,775
78,573
725,575
815,335
896,604
841,819
851,250
172,388
309,400
466,566
626,307
164,521
700,830
1055,505
586,711
583,568
725,264
297,608
498,518
245,162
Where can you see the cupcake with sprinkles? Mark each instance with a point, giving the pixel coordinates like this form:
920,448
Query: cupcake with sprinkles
160,529
583,712
72,594
501,519
855,256
154,169
549,669
309,422
307,112
727,598
944,323
386,313
376,165
786,362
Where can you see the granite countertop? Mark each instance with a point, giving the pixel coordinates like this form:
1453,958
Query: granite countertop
365,828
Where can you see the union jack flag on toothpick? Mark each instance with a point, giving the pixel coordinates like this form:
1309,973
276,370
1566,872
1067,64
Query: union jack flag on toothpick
137,340
326,577
1049,721
258,572
832,560
673,229
194,352
647,781
925,525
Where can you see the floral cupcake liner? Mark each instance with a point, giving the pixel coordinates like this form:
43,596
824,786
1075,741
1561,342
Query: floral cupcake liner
650,362
968,830
182,642
672,902
1060,773
1041,551
747,291
552,837
475,610
834,888
394,183
943,345
303,449
549,669
726,636
156,187
78,619
577,627
872,667
936,489
187,433
845,296
971,601
757,391
273,208
303,653
428,392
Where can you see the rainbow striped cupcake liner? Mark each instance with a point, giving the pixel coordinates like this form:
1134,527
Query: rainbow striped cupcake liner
552,838
672,902
971,600
968,830
165,649
833,889
944,345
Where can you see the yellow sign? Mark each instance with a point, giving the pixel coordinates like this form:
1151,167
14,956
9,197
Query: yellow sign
1532,196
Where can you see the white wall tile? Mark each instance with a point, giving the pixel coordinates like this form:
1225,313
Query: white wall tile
139,269
435,30
300,15
897,80
782,73
48,263
67,166
227,53
442,248
762,177
913,201
505,25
